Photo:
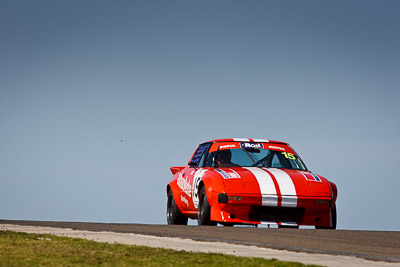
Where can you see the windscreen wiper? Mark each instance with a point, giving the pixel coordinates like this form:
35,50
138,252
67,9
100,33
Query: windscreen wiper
251,157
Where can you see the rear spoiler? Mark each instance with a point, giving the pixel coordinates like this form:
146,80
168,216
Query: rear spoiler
176,169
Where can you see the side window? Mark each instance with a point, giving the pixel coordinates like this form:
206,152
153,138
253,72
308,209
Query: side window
209,160
200,155
202,159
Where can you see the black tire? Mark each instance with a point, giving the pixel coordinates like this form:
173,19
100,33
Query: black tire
334,220
204,209
174,215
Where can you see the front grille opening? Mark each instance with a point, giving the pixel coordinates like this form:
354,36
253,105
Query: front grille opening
276,214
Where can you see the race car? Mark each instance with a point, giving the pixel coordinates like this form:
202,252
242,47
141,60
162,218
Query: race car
250,181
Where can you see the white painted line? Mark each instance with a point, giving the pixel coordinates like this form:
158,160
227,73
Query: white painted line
199,246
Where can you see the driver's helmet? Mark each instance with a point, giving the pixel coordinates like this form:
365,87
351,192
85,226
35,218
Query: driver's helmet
224,156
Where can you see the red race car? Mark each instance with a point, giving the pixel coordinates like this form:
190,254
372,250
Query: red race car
249,181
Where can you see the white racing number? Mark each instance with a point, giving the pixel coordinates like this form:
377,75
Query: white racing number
196,181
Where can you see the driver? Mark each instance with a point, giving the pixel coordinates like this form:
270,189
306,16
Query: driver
223,159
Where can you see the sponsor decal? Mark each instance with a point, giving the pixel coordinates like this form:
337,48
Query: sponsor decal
228,173
252,145
184,200
311,177
316,177
227,146
276,148
196,181
224,174
183,184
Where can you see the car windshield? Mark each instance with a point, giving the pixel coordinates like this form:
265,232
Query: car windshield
250,157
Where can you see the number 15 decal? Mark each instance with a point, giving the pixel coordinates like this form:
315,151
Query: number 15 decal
288,155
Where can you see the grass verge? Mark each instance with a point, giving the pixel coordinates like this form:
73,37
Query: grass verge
22,249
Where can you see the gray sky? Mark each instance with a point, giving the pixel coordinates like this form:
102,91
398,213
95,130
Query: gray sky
77,77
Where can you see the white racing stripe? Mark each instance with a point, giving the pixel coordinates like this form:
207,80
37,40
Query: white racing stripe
270,201
241,139
286,186
248,140
261,140
289,201
267,187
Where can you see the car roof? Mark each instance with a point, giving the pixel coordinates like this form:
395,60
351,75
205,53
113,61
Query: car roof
247,140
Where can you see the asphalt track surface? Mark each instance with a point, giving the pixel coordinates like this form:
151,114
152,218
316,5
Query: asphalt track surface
371,245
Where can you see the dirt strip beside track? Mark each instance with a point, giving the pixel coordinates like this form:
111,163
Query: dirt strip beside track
372,245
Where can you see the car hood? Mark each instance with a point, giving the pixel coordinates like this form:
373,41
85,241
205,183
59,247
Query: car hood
255,180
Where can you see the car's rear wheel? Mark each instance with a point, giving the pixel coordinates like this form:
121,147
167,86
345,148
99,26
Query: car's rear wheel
174,215
333,218
204,209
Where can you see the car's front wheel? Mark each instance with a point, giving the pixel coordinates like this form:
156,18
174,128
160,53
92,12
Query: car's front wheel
174,215
204,209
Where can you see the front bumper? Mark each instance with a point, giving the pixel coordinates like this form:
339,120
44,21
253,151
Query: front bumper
253,209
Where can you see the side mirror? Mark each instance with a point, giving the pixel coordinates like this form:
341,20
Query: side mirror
192,164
